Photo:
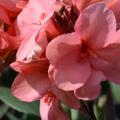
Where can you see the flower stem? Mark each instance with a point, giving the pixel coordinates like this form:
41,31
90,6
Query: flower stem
87,110
90,110
110,107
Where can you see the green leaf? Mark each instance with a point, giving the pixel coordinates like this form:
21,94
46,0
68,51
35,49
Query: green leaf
99,110
31,117
11,117
76,115
115,91
66,109
29,108
3,109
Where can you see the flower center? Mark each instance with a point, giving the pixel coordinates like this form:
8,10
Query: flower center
86,52
49,97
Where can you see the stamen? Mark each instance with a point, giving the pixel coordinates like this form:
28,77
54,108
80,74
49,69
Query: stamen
49,97
86,52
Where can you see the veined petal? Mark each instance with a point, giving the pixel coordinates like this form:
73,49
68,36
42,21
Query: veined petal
91,89
23,90
81,4
115,39
20,67
36,11
96,25
110,53
70,73
66,97
114,6
31,83
62,45
52,111
9,5
29,49
21,4
4,16
111,71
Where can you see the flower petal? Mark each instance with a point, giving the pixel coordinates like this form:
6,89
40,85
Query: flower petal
29,49
91,89
52,111
96,25
114,5
23,90
110,71
31,83
110,53
70,73
4,16
33,10
115,39
21,4
62,45
20,67
81,4
67,97
9,5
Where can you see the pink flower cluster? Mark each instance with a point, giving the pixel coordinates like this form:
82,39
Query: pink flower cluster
64,49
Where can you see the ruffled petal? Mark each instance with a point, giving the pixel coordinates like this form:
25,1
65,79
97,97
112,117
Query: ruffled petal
115,39
4,16
29,49
70,73
67,97
96,25
110,71
23,90
52,111
62,45
32,83
115,6
39,12
20,67
21,4
81,4
9,5
110,53
91,89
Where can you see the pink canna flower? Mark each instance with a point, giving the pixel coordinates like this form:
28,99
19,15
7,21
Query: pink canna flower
75,63
37,16
79,60
21,3
111,4
8,46
35,26
53,111
50,104
31,76
9,5
114,5
86,57
7,41
33,83
8,11
81,4
32,67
